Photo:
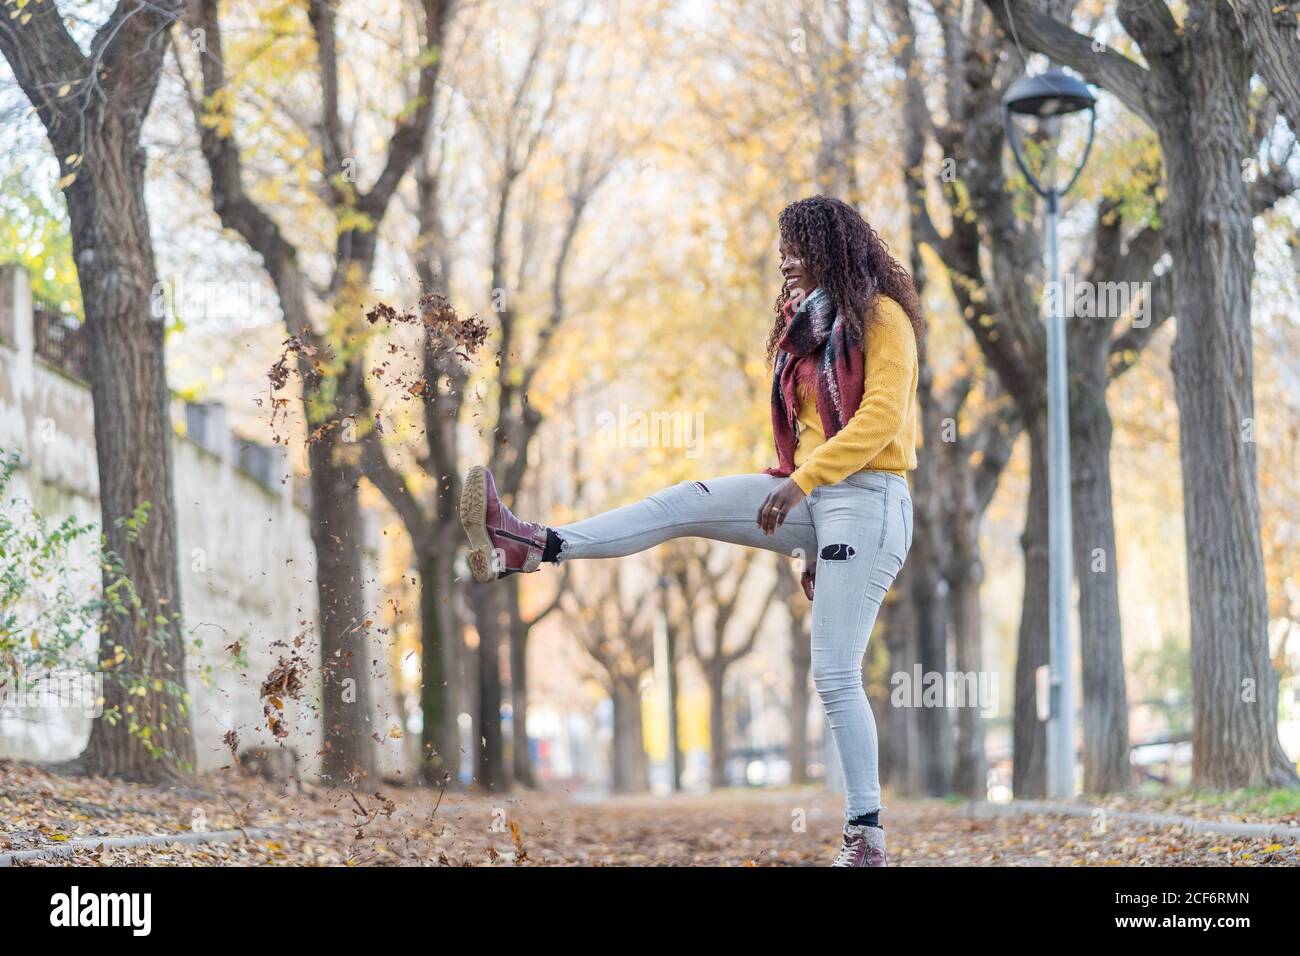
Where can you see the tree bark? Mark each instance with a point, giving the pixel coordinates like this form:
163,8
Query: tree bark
1105,700
521,753
489,762
93,108
455,664
901,753
930,607
715,677
674,697
1029,734
517,629
800,694
1273,37
338,538
628,764
129,391
436,633
1234,683
798,607
970,765
970,490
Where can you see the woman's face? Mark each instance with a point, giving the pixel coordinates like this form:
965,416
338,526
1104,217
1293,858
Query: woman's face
798,280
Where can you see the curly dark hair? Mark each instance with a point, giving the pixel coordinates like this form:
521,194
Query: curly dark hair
846,258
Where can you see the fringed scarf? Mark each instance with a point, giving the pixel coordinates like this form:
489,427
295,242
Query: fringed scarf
814,352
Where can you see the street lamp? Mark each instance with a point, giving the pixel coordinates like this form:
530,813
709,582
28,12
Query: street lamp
1041,101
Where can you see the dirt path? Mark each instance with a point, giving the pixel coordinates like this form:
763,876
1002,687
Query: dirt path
402,827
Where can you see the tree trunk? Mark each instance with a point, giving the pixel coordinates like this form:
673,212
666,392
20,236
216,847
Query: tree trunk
628,763
969,489
1029,734
715,676
970,767
521,754
449,534
489,762
93,124
469,696
932,653
115,267
800,665
337,535
900,755
674,696
926,591
435,632
1210,234
1105,699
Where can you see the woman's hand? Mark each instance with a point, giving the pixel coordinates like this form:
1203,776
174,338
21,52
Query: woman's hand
779,504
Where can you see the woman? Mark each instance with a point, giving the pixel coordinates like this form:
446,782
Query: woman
844,351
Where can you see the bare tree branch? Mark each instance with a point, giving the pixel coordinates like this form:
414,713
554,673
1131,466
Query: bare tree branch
321,15
409,133
120,74
391,483
1152,25
230,200
1271,36
1108,69
563,585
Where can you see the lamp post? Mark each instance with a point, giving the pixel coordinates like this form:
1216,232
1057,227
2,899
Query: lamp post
1043,99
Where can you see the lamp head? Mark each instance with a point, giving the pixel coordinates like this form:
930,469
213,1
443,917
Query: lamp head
1044,95
1040,102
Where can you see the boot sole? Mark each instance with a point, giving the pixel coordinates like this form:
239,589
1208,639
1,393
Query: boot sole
473,518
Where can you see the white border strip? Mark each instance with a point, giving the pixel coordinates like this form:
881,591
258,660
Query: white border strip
1277,832
71,847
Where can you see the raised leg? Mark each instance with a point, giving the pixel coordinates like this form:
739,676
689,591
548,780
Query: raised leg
721,509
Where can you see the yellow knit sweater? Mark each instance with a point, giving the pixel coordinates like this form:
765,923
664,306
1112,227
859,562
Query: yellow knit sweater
881,435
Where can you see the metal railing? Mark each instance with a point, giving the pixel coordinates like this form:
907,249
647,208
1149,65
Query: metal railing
60,340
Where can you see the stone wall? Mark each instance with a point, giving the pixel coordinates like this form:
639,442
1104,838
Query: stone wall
244,549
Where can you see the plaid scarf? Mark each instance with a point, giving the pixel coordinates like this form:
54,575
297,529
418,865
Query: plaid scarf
814,350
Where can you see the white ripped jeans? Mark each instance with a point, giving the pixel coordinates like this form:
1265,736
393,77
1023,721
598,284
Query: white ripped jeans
859,528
